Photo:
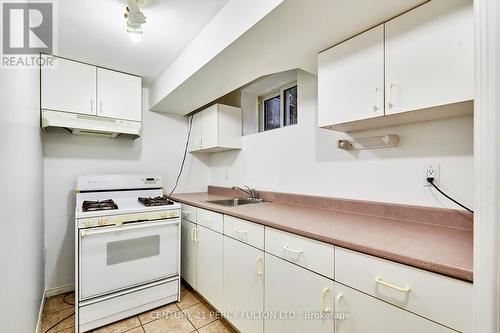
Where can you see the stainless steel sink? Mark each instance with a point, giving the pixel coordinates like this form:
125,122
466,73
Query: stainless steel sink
235,201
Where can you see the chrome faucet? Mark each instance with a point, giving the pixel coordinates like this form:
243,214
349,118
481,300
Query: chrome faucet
250,191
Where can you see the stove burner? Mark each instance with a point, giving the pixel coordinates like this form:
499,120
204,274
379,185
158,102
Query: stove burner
156,201
92,206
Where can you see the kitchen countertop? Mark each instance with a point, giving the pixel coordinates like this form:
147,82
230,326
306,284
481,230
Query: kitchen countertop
440,249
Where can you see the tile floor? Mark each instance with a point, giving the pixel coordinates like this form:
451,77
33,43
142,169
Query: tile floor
191,314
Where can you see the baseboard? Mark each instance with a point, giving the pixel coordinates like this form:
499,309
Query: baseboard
40,312
59,290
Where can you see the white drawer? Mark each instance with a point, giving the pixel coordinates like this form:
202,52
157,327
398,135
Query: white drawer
308,253
126,304
188,212
244,231
209,219
445,300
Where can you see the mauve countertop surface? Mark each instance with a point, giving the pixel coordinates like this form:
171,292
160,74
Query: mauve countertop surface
439,249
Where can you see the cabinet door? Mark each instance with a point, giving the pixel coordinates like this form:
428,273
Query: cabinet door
69,86
195,136
430,56
119,95
243,285
351,79
188,254
209,127
209,278
302,300
360,313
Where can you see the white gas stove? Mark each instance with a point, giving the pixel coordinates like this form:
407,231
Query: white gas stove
127,256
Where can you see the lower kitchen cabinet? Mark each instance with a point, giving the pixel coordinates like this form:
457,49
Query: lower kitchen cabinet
243,286
300,300
360,313
209,263
188,252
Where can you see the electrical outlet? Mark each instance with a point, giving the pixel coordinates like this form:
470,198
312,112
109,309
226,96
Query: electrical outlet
431,171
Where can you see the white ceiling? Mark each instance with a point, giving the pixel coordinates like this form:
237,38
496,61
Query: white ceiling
94,31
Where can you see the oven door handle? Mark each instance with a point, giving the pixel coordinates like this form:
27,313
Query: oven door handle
105,230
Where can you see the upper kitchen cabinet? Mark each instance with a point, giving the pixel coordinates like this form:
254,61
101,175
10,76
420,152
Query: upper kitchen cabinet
430,56
119,95
351,79
216,129
427,55
68,86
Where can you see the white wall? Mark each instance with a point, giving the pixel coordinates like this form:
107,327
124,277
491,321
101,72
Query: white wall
304,159
158,151
21,201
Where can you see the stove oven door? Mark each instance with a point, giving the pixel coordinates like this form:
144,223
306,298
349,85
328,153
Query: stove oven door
119,257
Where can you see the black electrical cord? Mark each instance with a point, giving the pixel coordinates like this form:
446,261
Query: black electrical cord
183,158
63,319
431,181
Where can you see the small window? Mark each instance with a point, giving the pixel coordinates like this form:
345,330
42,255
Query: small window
278,108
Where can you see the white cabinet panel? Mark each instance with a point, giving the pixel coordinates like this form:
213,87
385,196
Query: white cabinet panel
294,293
243,286
209,219
309,253
216,129
363,313
119,95
244,231
351,79
69,86
188,212
209,264
195,143
430,56
188,252
210,127
442,299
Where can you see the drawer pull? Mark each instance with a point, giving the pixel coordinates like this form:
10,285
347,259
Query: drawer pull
240,233
298,252
337,309
194,234
389,285
258,266
325,299
186,214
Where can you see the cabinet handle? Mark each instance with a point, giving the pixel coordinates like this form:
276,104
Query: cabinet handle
258,266
186,214
337,308
100,106
392,286
92,104
325,299
194,234
297,253
375,107
390,104
240,233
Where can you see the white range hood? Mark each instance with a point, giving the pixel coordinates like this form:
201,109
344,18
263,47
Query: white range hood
80,124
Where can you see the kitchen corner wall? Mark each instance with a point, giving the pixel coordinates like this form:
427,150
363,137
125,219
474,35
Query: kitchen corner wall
305,159
21,200
158,151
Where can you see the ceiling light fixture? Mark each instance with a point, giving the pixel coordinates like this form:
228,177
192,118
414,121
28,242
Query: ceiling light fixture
135,20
